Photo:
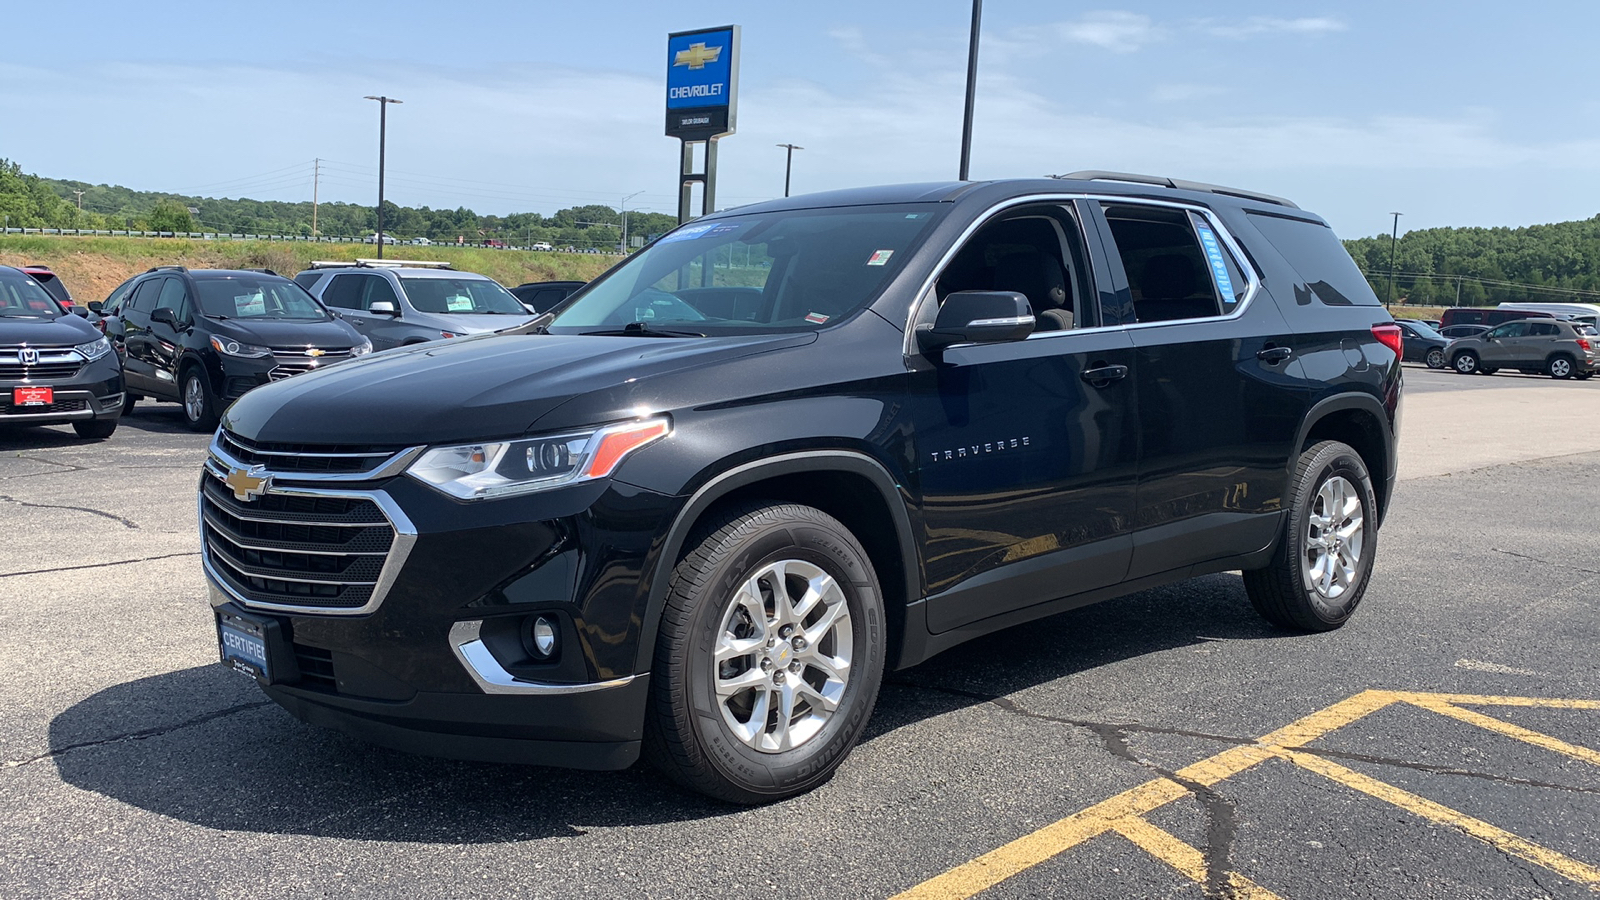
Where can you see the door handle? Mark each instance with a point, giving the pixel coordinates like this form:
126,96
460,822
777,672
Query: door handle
1105,375
1273,355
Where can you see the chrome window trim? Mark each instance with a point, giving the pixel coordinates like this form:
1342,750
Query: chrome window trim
405,537
393,466
925,294
492,678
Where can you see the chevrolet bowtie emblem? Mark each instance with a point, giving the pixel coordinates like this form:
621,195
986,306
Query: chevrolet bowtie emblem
248,484
314,352
697,56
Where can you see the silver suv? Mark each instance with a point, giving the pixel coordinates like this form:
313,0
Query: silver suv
1554,347
401,303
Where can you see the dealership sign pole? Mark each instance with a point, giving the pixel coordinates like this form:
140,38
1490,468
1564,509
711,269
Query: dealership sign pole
702,99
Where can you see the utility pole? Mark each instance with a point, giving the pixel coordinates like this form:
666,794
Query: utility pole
383,128
1394,238
972,87
80,198
316,180
788,165
624,244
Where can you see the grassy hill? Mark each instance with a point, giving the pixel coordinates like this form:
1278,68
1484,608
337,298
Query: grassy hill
93,266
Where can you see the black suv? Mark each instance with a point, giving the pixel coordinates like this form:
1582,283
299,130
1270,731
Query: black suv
202,337
55,368
697,512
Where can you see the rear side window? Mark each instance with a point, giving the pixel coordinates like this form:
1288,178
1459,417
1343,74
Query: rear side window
1169,273
1542,329
1320,259
343,292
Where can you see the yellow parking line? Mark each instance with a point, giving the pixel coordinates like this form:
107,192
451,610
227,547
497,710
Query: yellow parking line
1490,700
1186,859
1564,866
1490,723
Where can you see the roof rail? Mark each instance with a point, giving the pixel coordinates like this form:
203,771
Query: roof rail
167,269
263,270
1163,181
378,264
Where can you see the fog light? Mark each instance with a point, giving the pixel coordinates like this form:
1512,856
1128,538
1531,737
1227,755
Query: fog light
544,637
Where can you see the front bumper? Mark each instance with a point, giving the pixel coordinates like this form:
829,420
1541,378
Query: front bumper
94,393
432,663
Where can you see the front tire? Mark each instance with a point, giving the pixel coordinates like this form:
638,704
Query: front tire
769,657
199,404
95,429
1320,570
1465,362
1435,358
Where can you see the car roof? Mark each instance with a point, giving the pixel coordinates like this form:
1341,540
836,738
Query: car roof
407,271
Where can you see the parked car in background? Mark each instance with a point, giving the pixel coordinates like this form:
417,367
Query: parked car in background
1460,331
421,242
1554,347
1587,313
1478,315
205,337
52,284
542,295
376,238
1422,344
55,368
541,245
408,302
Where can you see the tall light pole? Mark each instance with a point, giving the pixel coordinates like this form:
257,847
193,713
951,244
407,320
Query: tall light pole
788,165
383,127
972,87
1394,238
624,245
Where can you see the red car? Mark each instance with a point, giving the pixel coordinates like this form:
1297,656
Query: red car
52,285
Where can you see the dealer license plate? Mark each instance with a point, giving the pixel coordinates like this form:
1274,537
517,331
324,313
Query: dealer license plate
244,647
33,396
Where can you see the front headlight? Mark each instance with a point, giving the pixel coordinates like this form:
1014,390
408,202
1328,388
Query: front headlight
500,468
94,349
361,349
231,347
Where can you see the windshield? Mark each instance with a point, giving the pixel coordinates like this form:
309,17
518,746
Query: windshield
1423,328
790,270
256,298
21,296
459,296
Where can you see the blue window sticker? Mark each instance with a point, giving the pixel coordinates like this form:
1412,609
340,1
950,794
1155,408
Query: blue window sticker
1219,268
695,232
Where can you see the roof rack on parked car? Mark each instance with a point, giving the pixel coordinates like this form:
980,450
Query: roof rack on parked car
262,270
168,269
1163,181
378,264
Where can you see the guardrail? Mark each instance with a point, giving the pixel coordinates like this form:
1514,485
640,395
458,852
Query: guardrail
300,238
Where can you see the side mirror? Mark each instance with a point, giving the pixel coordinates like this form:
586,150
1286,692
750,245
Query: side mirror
78,311
165,316
978,317
383,308
95,306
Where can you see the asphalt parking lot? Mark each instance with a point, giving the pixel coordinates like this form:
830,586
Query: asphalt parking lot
1446,743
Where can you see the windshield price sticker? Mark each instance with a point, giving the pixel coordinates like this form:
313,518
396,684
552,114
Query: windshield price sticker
816,318
1219,269
880,257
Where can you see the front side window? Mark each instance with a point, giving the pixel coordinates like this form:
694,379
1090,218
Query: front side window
144,299
376,289
791,270
1169,273
1508,330
1036,252
173,296
256,298
458,296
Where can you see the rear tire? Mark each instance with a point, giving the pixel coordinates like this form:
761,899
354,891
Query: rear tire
1320,569
1465,362
769,657
128,402
95,429
1560,367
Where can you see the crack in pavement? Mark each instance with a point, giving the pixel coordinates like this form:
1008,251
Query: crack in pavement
1220,812
128,523
119,562
1545,561
49,462
142,734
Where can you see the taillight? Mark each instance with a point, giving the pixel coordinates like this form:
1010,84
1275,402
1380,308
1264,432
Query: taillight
1584,343
1389,336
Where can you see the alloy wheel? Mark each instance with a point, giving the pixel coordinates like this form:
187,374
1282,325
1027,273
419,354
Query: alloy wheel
194,398
1334,538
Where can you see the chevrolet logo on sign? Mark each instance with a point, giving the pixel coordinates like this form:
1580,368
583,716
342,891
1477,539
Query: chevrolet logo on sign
697,56
248,484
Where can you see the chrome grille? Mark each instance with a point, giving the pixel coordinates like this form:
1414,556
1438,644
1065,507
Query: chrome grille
302,549
298,360
41,362
306,457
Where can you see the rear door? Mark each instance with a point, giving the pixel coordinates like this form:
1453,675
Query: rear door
1539,344
1027,451
1220,403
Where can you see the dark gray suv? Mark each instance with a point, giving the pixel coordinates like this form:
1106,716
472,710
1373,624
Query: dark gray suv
403,303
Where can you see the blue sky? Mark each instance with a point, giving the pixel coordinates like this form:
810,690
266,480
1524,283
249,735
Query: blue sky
1453,113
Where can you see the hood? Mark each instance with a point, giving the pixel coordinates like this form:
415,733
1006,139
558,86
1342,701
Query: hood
473,323
469,388
332,334
61,331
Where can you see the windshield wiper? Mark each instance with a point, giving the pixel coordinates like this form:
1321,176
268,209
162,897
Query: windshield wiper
643,329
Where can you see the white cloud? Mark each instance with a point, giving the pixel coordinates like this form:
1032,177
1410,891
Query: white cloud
1256,26
1183,93
1120,32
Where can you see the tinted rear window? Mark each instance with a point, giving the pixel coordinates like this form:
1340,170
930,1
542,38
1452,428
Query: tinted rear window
1320,259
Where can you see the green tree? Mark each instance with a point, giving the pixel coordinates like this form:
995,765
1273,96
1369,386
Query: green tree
169,215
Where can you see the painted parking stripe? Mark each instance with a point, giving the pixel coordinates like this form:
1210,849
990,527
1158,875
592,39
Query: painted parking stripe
1124,813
